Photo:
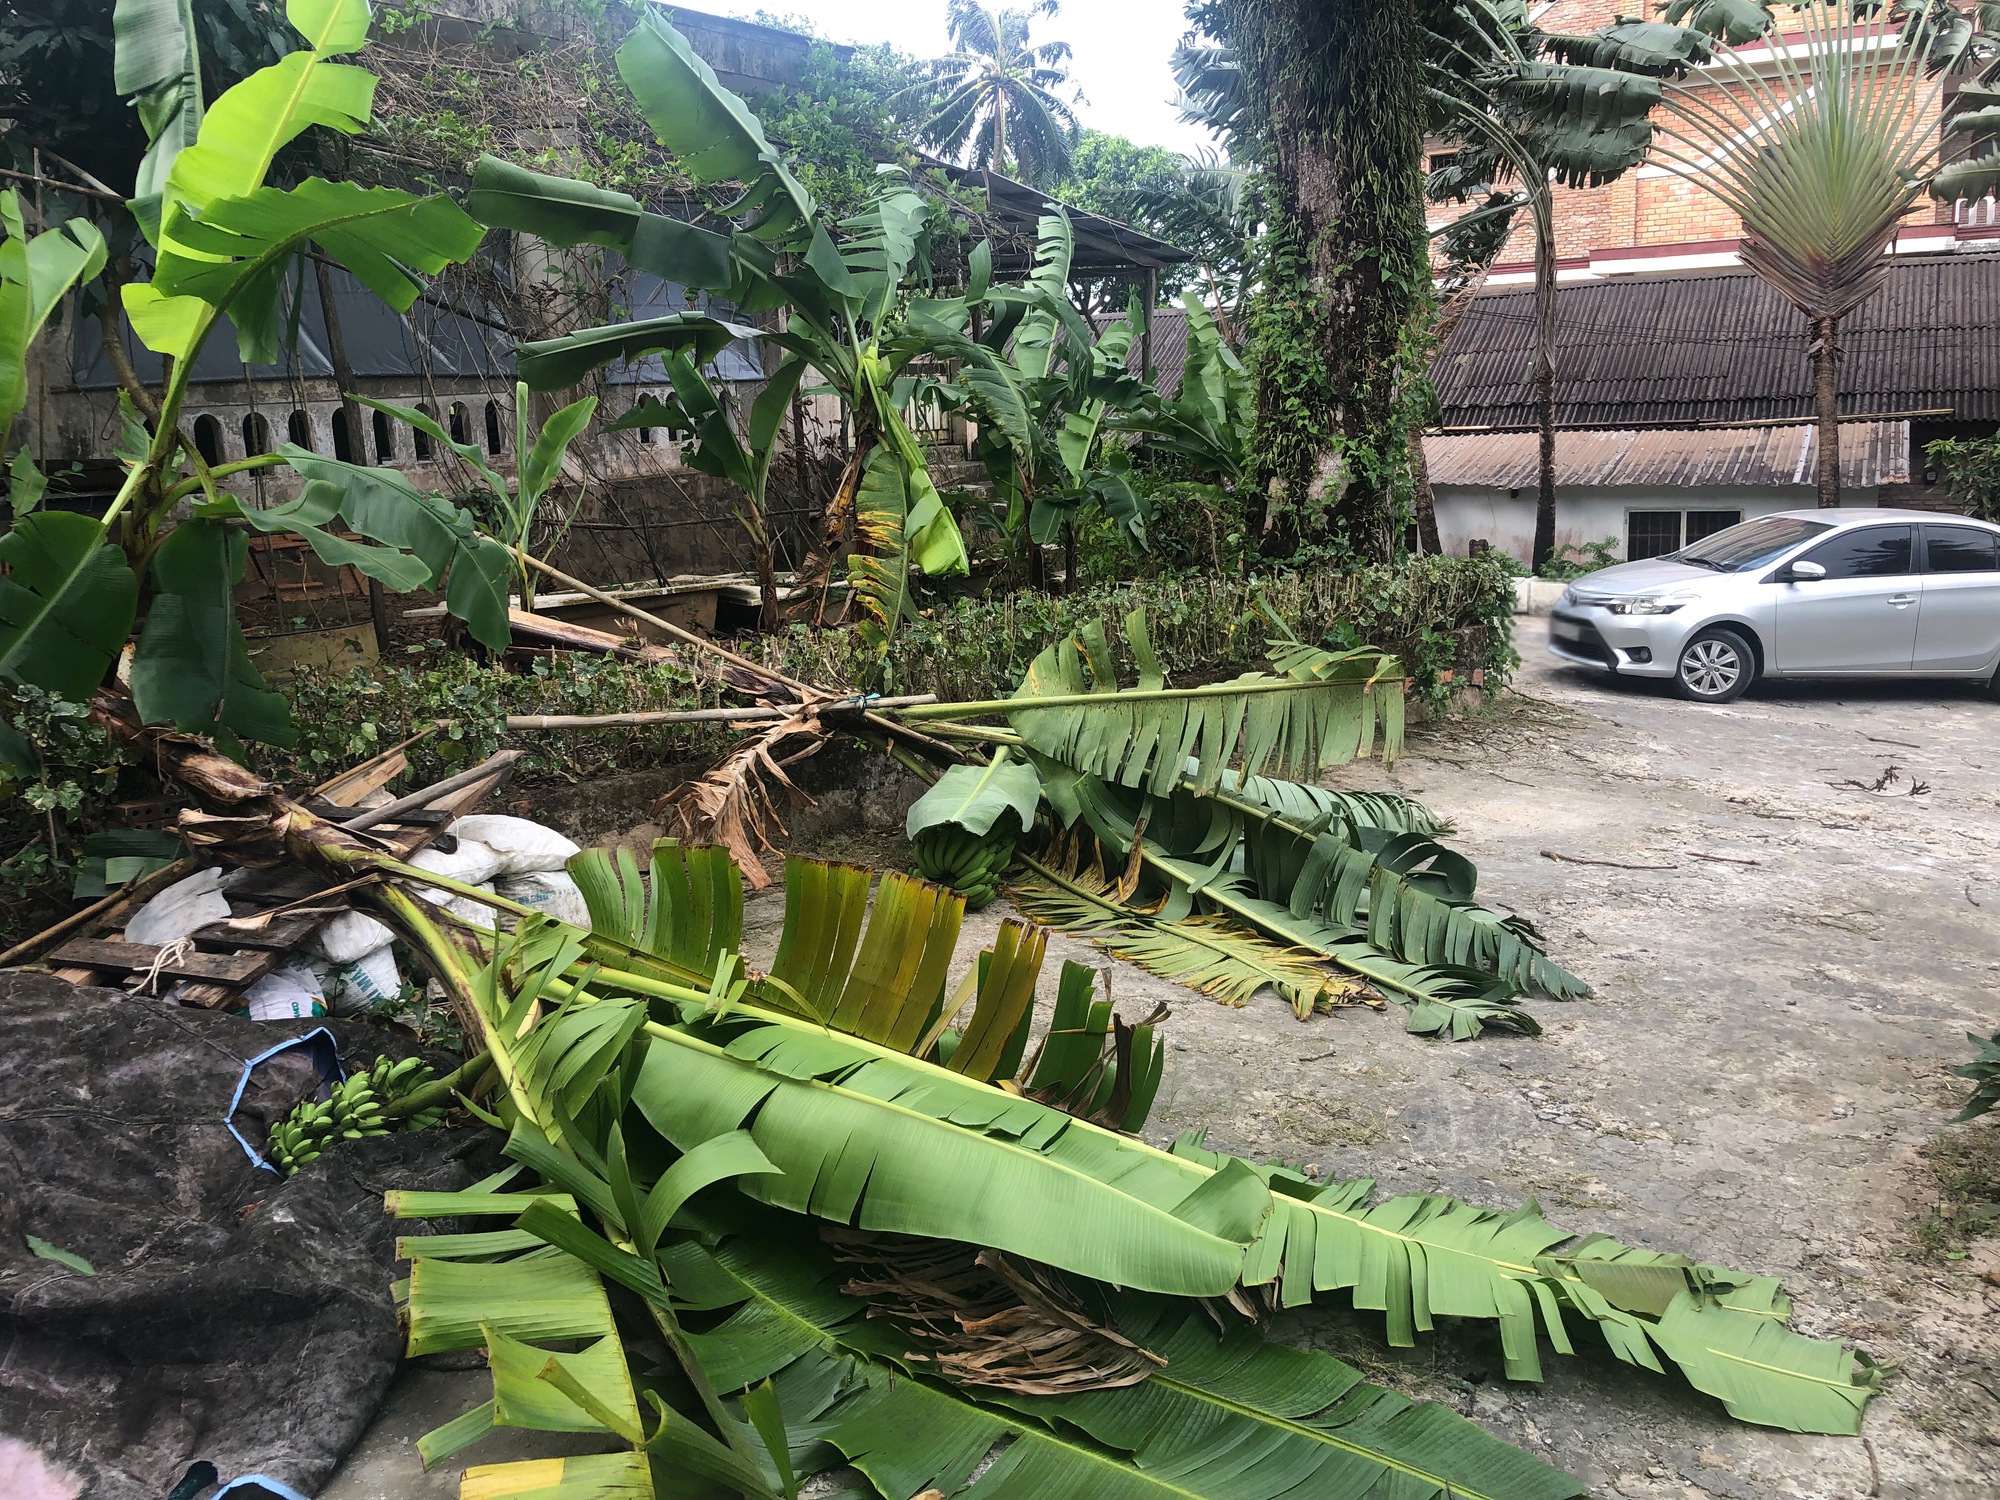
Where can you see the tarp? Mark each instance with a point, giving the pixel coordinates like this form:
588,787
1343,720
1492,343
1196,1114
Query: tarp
233,1318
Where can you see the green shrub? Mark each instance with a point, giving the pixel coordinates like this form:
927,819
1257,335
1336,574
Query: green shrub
46,809
1436,613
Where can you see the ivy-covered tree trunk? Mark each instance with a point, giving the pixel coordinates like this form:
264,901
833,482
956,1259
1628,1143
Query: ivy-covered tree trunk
1336,93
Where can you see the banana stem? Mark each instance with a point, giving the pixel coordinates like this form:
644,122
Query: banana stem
438,1090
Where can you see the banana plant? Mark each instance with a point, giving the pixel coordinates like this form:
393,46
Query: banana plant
830,1070
1044,390
67,599
846,289
225,243
701,412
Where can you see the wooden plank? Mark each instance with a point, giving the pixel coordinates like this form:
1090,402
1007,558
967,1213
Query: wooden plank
224,968
545,631
350,787
209,996
281,933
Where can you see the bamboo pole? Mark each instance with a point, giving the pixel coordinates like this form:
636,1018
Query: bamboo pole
641,717
676,631
1125,695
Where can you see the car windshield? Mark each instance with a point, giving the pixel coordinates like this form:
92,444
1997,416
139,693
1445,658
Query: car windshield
1751,544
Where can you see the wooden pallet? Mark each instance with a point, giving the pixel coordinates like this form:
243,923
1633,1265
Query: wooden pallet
226,958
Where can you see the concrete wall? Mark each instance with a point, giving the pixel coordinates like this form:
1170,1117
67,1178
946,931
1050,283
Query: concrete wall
1506,518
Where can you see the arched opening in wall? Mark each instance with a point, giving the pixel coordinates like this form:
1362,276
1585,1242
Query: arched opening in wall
343,446
493,427
256,435
298,428
385,438
645,433
422,439
460,422
208,439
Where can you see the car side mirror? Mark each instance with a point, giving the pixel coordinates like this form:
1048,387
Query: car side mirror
1804,572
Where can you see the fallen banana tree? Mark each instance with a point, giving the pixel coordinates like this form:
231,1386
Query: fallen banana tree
688,1124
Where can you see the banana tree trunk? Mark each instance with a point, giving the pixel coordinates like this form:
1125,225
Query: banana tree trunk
1826,408
1545,395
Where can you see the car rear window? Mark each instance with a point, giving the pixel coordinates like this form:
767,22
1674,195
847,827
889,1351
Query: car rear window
1752,544
1866,552
1960,549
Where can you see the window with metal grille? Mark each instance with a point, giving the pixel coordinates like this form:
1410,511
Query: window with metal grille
1705,523
1652,533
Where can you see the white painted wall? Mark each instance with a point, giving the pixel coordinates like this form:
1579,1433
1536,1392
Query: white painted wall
1506,518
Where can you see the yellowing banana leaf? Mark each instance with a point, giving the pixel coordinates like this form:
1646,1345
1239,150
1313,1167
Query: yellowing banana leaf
1228,962
590,1476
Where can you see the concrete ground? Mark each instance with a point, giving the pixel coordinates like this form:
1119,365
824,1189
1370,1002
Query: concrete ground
1786,963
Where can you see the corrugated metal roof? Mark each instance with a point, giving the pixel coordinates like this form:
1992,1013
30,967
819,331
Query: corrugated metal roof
1723,347
1871,453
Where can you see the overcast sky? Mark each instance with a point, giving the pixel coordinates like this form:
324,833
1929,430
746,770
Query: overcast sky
1122,50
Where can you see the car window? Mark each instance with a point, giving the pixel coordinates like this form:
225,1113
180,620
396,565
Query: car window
1869,552
1960,549
1752,544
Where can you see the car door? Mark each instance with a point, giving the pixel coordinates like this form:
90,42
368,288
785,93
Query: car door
1862,616
1958,618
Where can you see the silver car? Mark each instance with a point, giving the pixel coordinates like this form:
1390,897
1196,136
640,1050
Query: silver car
1803,593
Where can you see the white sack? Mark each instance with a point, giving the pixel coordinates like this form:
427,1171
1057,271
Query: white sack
356,988
289,994
550,892
350,937
524,847
471,863
180,909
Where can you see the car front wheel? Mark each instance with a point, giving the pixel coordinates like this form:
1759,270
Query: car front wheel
1717,666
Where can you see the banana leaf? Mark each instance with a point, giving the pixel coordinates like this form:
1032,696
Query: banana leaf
156,57
554,364
1156,737
975,797
566,212
383,506
235,257
35,273
1230,1413
1418,1258
868,1137
713,136
223,237
1223,960
873,1139
191,667
1731,21
67,600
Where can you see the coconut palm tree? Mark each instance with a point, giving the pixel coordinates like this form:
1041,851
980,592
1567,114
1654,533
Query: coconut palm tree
998,101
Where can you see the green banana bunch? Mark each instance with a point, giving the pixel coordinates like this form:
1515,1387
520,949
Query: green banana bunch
970,863
353,1111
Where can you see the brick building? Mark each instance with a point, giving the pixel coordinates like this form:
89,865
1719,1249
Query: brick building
1684,393
1650,220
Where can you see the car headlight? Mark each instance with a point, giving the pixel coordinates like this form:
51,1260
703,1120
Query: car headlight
1648,604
